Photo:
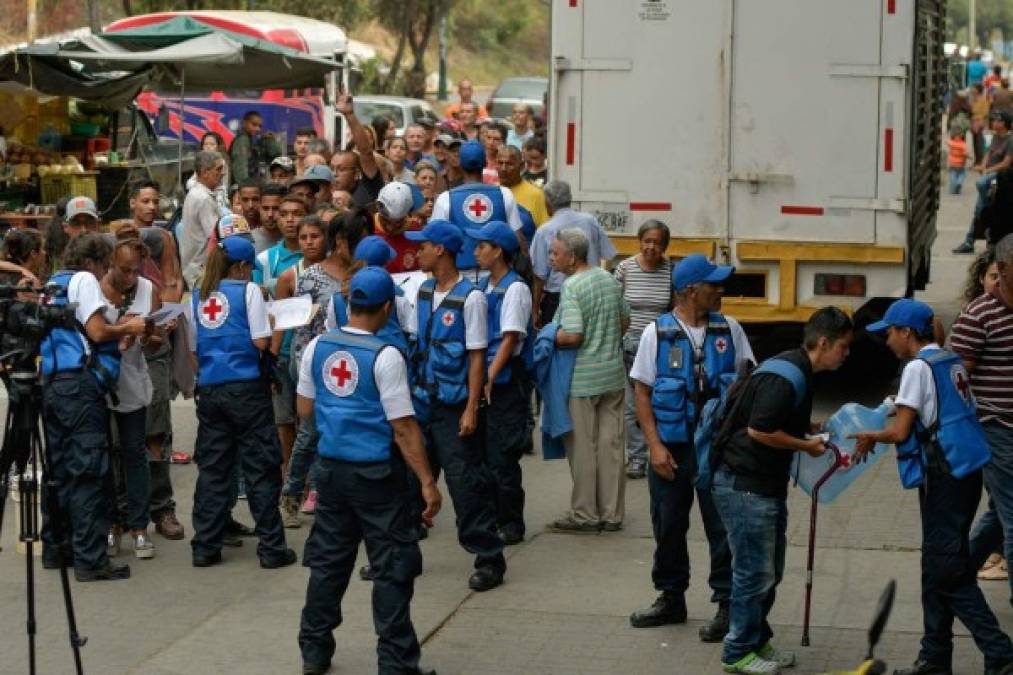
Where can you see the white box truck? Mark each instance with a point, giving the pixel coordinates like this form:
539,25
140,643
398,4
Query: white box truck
796,139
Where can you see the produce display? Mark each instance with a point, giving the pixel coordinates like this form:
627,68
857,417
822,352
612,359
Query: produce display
27,160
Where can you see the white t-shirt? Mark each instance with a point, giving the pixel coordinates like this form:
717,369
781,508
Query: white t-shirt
918,389
85,290
256,315
476,308
389,369
402,306
133,388
514,311
645,364
441,209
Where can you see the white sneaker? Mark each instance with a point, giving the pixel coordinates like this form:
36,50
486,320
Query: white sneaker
784,659
143,546
113,543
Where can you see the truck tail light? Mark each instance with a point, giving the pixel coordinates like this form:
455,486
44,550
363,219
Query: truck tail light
839,284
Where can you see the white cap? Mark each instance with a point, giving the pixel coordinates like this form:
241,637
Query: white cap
81,205
395,201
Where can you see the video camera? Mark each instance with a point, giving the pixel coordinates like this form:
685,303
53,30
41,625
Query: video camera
24,324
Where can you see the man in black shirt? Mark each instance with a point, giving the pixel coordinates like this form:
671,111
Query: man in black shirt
751,486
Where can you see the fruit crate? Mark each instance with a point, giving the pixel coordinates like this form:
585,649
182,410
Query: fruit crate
57,186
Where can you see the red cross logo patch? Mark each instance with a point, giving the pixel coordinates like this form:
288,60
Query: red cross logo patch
721,345
340,374
961,382
213,312
447,319
478,208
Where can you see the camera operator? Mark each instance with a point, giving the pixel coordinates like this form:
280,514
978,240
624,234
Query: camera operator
80,366
24,257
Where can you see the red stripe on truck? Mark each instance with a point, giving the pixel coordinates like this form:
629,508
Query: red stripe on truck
571,142
573,3
650,206
887,150
802,210
891,6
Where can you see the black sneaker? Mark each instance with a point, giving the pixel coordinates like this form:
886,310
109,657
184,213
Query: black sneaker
964,248
669,608
716,629
1000,670
286,559
924,668
207,560
484,579
237,529
511,535
315,668
111,572
366,573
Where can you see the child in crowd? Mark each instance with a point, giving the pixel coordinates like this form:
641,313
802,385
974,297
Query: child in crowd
957,163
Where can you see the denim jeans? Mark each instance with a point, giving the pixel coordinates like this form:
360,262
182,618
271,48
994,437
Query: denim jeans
130,473
994,530
302,463
982,184
756,528
949,587
956,179
636,448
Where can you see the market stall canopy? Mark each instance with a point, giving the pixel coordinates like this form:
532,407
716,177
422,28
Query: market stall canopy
40,68
187,46
112,68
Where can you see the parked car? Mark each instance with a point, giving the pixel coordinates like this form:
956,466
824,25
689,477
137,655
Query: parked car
402,110
530,90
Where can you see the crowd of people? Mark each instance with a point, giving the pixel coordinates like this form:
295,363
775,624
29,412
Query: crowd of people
459,298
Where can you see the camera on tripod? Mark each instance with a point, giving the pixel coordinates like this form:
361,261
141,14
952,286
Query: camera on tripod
23,323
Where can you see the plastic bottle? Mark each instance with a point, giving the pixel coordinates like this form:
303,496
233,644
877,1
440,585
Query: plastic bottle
850,419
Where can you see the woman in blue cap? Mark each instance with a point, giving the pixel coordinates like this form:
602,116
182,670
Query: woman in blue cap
941,450
506,358
234,412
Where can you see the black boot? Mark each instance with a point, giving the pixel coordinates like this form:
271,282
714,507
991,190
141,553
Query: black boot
923,668
670,607
716,629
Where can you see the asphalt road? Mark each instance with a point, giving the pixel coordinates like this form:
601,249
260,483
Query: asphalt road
563,609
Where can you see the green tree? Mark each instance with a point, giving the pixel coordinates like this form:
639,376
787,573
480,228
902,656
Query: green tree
989,16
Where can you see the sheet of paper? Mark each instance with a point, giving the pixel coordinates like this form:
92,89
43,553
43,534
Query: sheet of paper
292,312
167,313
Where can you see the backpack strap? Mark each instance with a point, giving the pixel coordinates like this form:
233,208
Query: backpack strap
788,371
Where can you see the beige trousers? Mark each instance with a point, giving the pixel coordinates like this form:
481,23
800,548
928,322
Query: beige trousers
595,451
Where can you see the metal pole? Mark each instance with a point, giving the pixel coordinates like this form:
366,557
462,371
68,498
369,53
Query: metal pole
182,124
442,92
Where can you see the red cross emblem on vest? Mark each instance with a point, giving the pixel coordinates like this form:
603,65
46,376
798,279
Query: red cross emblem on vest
721,345
340,374
478,208
447,319
213,312
960,381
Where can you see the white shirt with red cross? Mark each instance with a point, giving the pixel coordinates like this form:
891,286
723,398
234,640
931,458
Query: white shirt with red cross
389,369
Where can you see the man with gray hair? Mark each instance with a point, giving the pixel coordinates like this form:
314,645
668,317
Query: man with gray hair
548,282
592,318
983,337
200,215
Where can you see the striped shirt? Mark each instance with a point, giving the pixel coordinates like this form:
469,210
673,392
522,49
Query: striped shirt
591,304
648,293
983,333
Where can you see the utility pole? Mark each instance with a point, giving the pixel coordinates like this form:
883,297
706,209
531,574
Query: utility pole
94,22
441,93
32,16
972,33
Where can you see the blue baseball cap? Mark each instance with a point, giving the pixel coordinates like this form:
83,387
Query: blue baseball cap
441,232
697,269
374,251
318,173
496,232
238,249
472,156
371,286
905,313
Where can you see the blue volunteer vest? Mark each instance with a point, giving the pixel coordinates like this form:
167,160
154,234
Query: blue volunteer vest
468,212
495,300
677,398
64,348
349,415
441,353
225,352
392,333
956,434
